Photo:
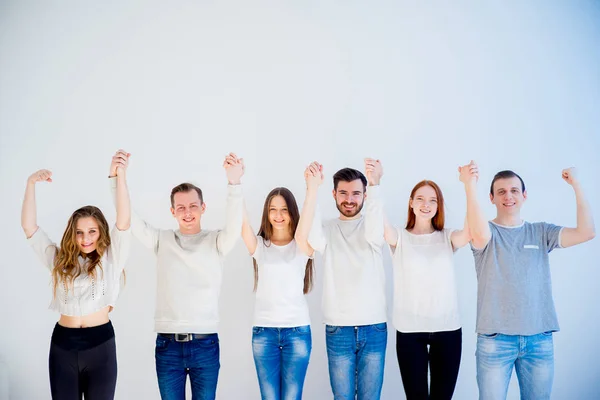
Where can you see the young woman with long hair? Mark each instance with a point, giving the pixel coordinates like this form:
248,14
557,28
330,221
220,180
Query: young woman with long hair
86,271
283,274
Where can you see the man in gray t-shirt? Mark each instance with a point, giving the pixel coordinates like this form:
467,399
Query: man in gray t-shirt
515,309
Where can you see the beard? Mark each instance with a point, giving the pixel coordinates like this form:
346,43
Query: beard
349,213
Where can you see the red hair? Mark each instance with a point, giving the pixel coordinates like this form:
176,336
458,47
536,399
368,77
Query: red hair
439,217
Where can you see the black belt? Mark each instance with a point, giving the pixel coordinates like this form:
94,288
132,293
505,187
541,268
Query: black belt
186,337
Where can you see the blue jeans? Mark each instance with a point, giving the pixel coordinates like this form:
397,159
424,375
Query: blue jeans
281,358
532,357
198,358
356,359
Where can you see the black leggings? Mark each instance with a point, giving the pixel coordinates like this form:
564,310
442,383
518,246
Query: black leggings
83,361
443,359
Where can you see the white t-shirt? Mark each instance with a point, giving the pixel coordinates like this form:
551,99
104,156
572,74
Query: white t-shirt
87,294
280,301
425,298
353,274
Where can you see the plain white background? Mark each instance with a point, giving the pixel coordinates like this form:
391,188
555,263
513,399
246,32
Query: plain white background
422,87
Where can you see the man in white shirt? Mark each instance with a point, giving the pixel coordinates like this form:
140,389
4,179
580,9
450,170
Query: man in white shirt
354,306
189,262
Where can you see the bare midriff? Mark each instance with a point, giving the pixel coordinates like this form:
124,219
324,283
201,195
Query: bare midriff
100,317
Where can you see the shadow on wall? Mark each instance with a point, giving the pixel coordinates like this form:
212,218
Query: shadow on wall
4,376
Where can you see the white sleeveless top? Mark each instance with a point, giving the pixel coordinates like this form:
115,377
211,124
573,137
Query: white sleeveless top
425,298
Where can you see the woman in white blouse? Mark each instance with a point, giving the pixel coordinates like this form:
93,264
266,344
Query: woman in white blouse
86,271
283,272
425,311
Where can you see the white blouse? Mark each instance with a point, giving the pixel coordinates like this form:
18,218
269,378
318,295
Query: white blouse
425,298
87,294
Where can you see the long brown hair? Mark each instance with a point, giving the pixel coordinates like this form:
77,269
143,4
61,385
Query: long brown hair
266,231
439,218
66,263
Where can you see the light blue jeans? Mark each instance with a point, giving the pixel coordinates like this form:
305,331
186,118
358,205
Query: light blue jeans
281,358
356,359
533,359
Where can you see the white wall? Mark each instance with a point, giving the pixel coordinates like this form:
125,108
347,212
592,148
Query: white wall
422,87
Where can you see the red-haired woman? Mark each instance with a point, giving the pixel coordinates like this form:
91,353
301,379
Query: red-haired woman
425,309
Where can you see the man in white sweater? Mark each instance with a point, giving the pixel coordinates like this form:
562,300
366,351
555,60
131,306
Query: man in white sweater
354,306
189,262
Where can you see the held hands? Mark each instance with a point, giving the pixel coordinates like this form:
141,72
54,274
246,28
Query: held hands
469,173
234,168
43,175
570,176
373,170
119,163
313,175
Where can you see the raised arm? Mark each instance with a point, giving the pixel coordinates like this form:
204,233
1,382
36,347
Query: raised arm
461,238
29,209
248,234
585,229
144,232
118,167
234,168
478,226
390,234
313,175
374,221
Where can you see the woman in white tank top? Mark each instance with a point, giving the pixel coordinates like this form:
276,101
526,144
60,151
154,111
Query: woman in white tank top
425,311
283,271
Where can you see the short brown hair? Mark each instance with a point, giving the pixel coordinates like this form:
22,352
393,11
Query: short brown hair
349,175
438,219
184,188
506,174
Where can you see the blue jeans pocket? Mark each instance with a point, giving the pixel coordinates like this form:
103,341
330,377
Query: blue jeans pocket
548,333
487,335
205,343
382,327
257,329
331,329
302,329
162,343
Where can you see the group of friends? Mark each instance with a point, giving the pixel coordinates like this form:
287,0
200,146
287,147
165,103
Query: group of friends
515,309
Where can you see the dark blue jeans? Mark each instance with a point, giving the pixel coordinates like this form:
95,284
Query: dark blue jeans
198,358
281,357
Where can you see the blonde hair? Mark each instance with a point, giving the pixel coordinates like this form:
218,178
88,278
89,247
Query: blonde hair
66,262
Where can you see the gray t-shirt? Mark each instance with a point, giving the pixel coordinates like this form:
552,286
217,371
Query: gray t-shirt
514,288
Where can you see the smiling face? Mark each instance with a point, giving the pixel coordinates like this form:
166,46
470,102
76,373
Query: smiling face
87,234
279,216
508,196
424,203
187,209
349,198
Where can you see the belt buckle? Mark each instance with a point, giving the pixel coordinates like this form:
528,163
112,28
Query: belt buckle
185,337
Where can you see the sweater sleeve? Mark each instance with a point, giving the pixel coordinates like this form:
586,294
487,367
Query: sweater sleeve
374,226
227,237
141,230
43,247
316,236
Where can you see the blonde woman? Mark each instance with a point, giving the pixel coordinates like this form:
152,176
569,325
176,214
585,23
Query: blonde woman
86,271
